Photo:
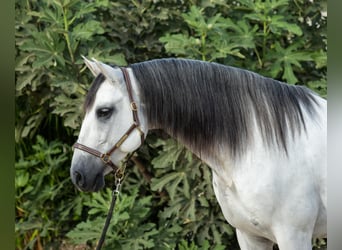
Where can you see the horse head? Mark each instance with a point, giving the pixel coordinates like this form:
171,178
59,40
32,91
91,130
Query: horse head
111,128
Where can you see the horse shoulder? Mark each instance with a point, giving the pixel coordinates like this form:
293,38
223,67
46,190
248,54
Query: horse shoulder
267,186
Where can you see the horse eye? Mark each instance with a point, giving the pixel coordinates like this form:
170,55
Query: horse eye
104,113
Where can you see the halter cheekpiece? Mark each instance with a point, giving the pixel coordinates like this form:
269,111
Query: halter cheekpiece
105,157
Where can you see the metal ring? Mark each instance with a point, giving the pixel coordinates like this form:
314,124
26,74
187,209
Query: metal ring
134,106
119,174
105,158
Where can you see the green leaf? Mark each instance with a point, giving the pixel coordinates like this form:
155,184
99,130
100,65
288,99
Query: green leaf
25,80
85,231
320,58
28,225
117,59
274,4
42,60
319,86
256,17
169,156
85,31
286,59
288,73
159,184
21,179
181,44
195,19
278,24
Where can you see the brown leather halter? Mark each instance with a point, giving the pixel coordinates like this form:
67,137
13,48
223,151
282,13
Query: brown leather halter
105,157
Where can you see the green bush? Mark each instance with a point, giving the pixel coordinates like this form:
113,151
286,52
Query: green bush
159,219
46,202
167,201
257,35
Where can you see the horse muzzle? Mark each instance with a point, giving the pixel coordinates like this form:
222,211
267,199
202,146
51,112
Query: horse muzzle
88,177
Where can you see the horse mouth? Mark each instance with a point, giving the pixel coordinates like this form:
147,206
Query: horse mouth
95,186
98,183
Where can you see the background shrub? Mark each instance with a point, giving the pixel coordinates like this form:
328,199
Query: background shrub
167,200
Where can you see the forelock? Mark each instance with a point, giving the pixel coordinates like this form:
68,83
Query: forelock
90,97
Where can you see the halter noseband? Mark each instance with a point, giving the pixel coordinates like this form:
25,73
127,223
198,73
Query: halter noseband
105,157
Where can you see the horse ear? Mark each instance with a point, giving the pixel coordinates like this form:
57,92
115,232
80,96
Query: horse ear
107,70
97,67
91,66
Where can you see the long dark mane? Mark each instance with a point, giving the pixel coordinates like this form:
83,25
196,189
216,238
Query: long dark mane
208,104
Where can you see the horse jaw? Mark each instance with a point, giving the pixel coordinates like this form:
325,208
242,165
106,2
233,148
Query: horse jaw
132,143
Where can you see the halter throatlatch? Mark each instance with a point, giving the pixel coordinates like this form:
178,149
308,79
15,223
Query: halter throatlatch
105,157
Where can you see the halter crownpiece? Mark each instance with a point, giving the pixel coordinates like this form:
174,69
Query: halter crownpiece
105,157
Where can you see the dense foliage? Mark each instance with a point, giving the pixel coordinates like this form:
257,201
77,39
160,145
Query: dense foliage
167,200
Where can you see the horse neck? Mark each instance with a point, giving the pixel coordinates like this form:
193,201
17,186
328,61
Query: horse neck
214,160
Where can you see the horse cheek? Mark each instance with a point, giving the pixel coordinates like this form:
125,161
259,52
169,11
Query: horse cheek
131,143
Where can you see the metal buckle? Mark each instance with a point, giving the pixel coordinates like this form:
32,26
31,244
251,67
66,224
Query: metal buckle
105,158
133,106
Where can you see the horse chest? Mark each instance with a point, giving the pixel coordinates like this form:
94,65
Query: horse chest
243,210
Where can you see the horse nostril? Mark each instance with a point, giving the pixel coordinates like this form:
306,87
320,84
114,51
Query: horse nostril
79,180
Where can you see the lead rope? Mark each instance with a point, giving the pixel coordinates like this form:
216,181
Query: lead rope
119,174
